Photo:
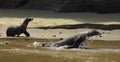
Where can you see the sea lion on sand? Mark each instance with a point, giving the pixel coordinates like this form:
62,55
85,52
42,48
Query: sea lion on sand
17,30
76,40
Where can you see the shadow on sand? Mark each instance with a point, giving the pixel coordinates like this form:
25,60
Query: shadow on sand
87,25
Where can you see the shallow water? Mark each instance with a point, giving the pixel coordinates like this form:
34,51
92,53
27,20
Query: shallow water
22,50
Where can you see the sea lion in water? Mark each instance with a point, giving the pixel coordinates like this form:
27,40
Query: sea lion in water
76,40
17,30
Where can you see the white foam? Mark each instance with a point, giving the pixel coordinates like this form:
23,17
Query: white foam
36,44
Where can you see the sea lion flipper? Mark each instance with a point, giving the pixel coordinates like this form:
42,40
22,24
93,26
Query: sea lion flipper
27,34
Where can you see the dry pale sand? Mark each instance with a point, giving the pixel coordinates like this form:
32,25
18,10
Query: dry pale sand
10,17
48,18
65,33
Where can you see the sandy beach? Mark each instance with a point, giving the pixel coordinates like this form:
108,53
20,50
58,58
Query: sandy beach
65,33
48,18
10,17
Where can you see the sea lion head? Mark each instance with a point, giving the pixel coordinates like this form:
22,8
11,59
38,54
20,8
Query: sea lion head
29,19
93,33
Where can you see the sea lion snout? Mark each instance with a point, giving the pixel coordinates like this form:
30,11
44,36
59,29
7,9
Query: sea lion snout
99,33
96,32
31,19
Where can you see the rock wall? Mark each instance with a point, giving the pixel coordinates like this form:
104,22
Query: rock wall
42,4
12,3
100,6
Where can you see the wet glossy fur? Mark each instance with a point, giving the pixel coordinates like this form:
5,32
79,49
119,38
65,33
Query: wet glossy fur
76,40
17,30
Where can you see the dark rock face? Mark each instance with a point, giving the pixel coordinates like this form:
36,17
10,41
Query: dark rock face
110,6
43,4
11,3
99,6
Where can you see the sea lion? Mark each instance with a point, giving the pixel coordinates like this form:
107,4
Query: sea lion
13,31
76,40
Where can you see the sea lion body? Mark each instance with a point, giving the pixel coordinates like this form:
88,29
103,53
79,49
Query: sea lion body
17,30
70,40
76,40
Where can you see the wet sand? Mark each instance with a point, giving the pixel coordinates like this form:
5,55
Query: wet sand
24,50
19,49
